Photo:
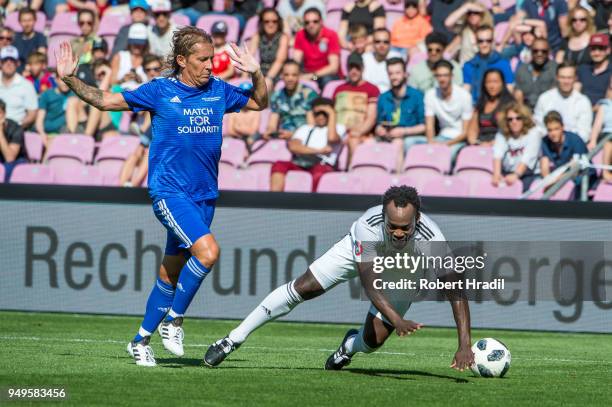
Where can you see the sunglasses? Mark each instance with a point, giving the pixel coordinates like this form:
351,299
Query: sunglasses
308,22
581,19
472,13
156,69
598,48
539,51
511,119
484,40
274,21
162,13
6,38
85,22
434,50
382,42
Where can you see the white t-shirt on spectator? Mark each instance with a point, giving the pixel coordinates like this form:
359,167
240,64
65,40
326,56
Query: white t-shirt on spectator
376,72
450,112
576,111
161,45
514,151
19,96
318,139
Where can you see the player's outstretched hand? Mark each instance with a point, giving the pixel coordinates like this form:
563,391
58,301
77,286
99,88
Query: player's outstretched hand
464,358
406,327
66,61
243,60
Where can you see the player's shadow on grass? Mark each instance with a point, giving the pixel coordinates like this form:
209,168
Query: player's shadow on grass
178,363
404,374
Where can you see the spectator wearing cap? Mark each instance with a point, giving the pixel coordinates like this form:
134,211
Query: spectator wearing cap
53,112
38,74
355,103
487,58
17,92
99,50
552,12
422,74
409,31
139,13
28,41
127,65
314,147
375,62
450,106
291,105
82,44
12,147
292,12
160,34
318,49
536,77
222,64
595,76
400,112
574,107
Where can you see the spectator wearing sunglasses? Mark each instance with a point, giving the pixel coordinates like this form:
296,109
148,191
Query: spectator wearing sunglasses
160,34
487,58
7,36
465,21
82,45
595,76
422,75
575,48
375,62
271,43
537,77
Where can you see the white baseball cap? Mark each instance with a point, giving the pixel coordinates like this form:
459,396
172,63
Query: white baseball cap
137,34
161,6
9,52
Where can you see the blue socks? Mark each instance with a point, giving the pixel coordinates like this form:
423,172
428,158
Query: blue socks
190,279
159,303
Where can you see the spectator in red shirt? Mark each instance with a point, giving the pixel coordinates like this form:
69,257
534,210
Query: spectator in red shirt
318,48
37,73
222,65
355,103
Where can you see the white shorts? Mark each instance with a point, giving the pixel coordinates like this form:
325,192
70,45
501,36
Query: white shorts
338,265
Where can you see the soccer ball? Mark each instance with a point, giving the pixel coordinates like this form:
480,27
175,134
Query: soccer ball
491,358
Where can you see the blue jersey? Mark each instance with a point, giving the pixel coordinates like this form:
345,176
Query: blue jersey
186,146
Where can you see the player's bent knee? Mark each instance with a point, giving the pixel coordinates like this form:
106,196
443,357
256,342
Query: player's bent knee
307,286
206,250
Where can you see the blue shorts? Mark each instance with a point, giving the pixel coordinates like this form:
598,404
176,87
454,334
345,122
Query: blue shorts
185,220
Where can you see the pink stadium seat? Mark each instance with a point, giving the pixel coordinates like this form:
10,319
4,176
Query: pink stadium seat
398,7
264,118
598,159
500,31
342,162
82,175
392,16
117,148
34,146
180,19
332,19
269,152
53,49
506,4
250,29
334,5
233,25
339,183
344,54
374,181
475,158
415,59
566,192
111,23
233,151
381,155
298,181
603,193
311,84
32,174
2,173
237,180
473,179
414,180
432,156
12,21
76,147
261,172
65,23
330,88
485,189
446,186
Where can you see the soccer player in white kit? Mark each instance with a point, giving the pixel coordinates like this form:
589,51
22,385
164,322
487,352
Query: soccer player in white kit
398,220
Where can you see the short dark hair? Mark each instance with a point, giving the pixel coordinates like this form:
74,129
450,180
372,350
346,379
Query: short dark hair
291,62
321,101
313,10
484,27
436,37
553,117
443,63
148,58
2,106
26,10
565,64
86,11
381,30
396,60
402,196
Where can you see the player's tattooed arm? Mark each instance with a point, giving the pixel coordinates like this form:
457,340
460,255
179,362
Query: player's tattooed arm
88,94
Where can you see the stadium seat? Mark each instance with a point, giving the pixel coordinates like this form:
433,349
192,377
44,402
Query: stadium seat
112,154
269,152
263,120
81,175
180,20
233,151
446,186
598,159
250,29
237,179
485,189
76,147
330,88
415,59
233,24
218,5
334,5
311,84
261,172
414,180
32,174
603,193
566,192
473,178
380,155
111,23
332,19
66,24
342,162
339,183
500,30
2,173
12,21
475,158
53,50
344,54
298,181
375,182
436,157
34,146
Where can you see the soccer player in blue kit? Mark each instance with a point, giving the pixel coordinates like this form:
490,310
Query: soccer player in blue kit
187,109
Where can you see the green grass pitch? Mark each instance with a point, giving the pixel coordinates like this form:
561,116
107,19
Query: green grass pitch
281,364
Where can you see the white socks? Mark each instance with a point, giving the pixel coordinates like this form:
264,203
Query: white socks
356,344
278,303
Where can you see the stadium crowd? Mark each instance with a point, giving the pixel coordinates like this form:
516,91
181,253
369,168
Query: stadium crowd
458,97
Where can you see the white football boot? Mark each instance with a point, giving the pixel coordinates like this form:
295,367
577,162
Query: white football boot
172,335
142,352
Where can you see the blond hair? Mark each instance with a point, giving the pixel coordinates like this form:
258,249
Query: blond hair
520,109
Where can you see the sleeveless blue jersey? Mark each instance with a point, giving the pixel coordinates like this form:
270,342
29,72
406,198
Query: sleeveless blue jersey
186,121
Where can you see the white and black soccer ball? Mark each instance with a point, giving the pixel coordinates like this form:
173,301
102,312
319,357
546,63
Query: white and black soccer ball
491,358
